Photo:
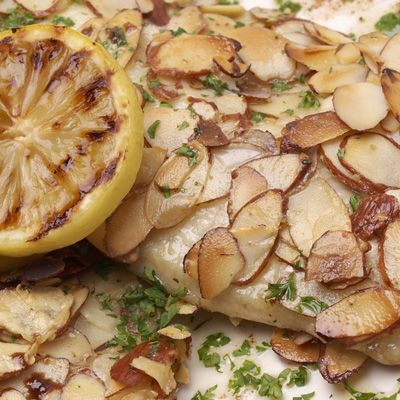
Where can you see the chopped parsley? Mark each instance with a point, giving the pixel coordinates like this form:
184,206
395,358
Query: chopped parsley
117,36
58,20
307,396
280,86
308,100
183,125
152,128
354,202
165,104
244,350
178,32
154,83
147,96
298,377
313,304
215,84
289,111
388,22
257,117
167,192
208,394
279,290
239,24
210,359
188,152
294,7
340,153
15,18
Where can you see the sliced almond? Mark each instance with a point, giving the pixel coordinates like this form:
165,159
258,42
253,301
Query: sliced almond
283,343
282,171
313,211
190,261
373,214
11,394
246,184
12,360
165,206
338,363
390,81
220,260
312,130
180,56
91,28
368,155
44,8
389,253
231,68
231,10
348,54
127,227
328,79
390,124
211,134
262,49
108,8
297,31
360,316
360,105
336,258
390,51
190,19
257,137
83,385
313,57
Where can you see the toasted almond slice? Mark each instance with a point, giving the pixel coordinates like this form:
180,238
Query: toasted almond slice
122,33
313,211
11,394
219,24
72,345
328,79
368,155
91,28
167,134
231,68
360,105
360,316
164,207
390,81
267,209
232,11
80,294
190,19
127,227
211,134
373,214
220,260
190,261
12,360
336,257
376,41
326,35
389,254
145,6
312,130
289,254
246,184
269,17
297,31
159,16
263,51
44,8
257,137
314,57
282,171
390,124
338,363
329,151
389,53
83,385
181,56
257,244
372,59
167,88
109,8
348,53
283,343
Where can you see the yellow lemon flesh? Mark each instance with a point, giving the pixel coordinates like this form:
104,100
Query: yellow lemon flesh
70,138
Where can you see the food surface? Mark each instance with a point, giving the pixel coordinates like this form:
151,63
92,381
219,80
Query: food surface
267,192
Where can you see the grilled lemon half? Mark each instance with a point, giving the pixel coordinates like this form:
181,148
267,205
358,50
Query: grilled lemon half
70,138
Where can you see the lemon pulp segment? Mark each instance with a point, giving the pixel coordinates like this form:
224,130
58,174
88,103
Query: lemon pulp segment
70,138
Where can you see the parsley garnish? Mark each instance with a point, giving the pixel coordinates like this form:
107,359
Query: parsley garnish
188,152
165,104
215,84
340,153
257,117
183,125
307,396
280,86
147,96
354,202
15,18
178,32
298,376
117,36
308,100
58,20
313,304
239,24
244,350
154,83
152,128
294,7
278,290
208,394
358,395
167,192
388,22
212,360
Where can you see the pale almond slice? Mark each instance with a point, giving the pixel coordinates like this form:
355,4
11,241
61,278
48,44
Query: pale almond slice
263,50
296,30
327,35
219,261
91,28
283,343
389,253
43,8
338,363
314,57
312,130
389,53
390,124
127,227
108,8
329,151
390,81
190,55
172,129
12,359
266,209
218,24
313,211
348,53
11,394
145,6
281,171
164,207
372,59
190,261
360,105
289,254
376,41
80,293
360,316
211,134
268,16
336,258
83,385
369,155
256,243
328,79
122,34
71,345
246,184
188,19
257,137
230,10
373,214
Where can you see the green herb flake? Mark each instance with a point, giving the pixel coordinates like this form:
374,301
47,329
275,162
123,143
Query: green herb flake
354,202
210,359
215,84
167,192
188,152
15,18
358,395
178,32
183,125
340,153
278,290
388,22
239,24
280,86
244,350
284,5
152,129
307,396
308,100
58,20
313,304
208,394
289,111
257,117
154,83
117,36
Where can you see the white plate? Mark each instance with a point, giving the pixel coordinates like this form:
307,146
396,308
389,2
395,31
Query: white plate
345,16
